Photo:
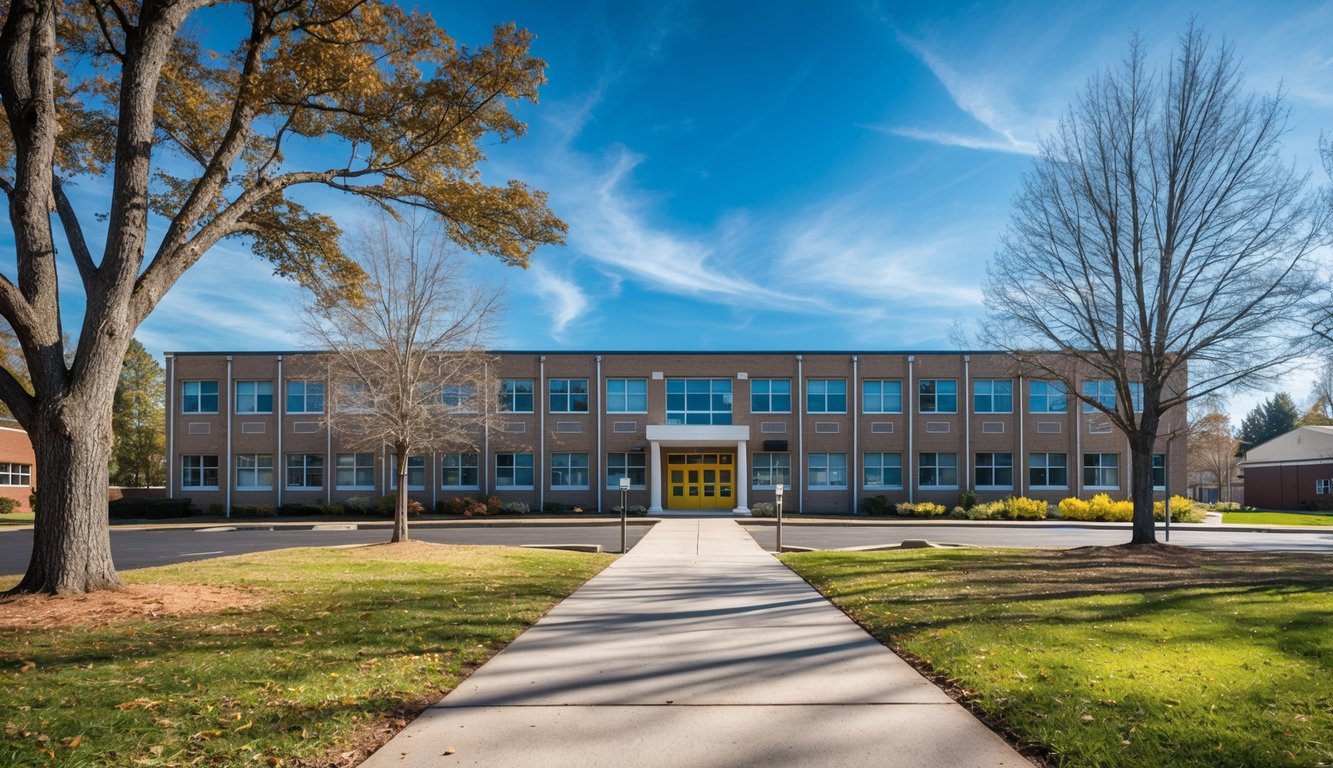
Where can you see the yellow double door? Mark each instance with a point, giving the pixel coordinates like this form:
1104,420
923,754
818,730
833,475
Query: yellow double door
701,481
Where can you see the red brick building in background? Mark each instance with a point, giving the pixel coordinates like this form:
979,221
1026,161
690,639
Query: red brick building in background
1291,471
16,464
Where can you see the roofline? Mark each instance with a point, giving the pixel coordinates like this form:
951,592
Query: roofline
732,352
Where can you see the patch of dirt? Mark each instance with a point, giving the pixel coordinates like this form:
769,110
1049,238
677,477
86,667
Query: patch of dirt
138,601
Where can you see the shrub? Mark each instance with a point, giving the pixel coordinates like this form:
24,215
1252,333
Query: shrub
1075,509
302,510
967,500
1221,506
32,501
922,509
8,505
1101,507
1023,508
147,509
987,511
766,509
1182,510
877,506
493,505
558,506
464,507
514,507
254,510
216,509
634,510
358,505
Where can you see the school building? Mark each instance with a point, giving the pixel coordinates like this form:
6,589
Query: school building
692,431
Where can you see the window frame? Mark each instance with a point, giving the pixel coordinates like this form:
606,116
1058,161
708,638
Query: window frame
625,396
255,398
305,469
631,464
570,396
257,470
513,468
15,474
938,468
769,395
1045,466
305,395
937,395
1156,467
202,470
764,472
1050,386
881,396
994,468
459,398
826,466
827,399
567,462
456,461
716,416
511,394
992,396
411,458
883,468
1327,486
355,468
1100,390
1099,468
199,396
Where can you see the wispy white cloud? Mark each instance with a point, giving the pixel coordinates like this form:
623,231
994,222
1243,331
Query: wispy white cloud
946,138
562,298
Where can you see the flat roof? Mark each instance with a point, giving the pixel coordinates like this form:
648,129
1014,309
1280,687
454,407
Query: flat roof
197,353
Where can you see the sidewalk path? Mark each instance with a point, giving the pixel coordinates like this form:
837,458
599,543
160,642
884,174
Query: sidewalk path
696,649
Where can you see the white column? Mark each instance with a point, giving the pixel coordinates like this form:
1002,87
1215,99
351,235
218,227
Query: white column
742,480
655,478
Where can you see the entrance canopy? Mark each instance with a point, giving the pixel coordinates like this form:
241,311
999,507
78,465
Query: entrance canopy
699,436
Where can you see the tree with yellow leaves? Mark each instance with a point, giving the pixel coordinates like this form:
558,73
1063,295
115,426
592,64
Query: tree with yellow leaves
354,95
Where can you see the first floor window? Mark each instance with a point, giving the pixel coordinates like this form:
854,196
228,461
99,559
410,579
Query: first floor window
883,470
1159,471
199,472
938,470
828,470
199,397
513,470
770,469
305,470
355,470
569,470
254,470
15,474
1321,487
416,472
1101,470
631,465
995,470
460,470
1048,470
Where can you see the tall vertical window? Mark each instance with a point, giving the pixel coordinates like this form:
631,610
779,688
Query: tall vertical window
1048,470
305,396
882,396
1100,390
15,474
459,469
254,471
513,470
569,470
199,397
1101,470
769,469
883,470
199,472
629,464
827,470
698,401
626,395
770,395
1136,395
1047,397
938,396
938,470
254,397
993,396
416,473
826,396
516,395
458,397
995,470
305,470
569,395
355,471
1159,471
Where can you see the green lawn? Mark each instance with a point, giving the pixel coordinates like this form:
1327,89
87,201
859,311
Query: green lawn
351,643
1277,518
16,518
1100,657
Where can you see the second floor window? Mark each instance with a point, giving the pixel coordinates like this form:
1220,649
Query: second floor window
254,397
199,397
881,396
1047,397
698,401
938,396
305,396
993,396
1100,390
770,395
457,397
516,395
569,395
626,395
826,396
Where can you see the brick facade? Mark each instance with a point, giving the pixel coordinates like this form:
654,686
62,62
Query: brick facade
16,460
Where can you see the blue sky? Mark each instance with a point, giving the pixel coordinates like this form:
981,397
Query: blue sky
779,175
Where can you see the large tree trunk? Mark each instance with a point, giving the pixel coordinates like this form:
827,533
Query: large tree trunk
71,549
1140,483
400,500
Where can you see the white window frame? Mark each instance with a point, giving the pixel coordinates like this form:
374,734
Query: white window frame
1323,487
631,464
258,469
991,395
824,461
1158,465
458,461
420,466
824,395
716,416
202,470
624,396
248,403
513,468
568,463
305,469
768,394
874,403
570,396
935,465
770,463
198,396
880,465
15,475
1101,390
992,465
306,385
1051,389
935,393
356,467
1045,466
1100,468
509,395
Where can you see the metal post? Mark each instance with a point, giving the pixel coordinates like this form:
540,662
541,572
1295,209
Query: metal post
624,514
1166,481
778,493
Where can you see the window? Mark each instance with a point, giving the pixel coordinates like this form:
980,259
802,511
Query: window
770,395
1159,471
355,470
698,401
1047,397
993,396
199,397
305,470
569,470
770,469
826,396
569,395
458,397
883,470
1322,487
938,396
631,465
1048,470
995,470
460,469
513,470
254,471
1136,395
626,395
1100,390
200,472
881,396
827,470
938,470
516,395
353,397
15,474
416,473
1101,470
305,396
254,397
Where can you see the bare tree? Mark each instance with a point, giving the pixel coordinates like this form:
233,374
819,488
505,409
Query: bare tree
407,367
1159,233
1212,450
358,96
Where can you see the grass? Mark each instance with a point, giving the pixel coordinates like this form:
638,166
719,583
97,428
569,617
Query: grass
16,518
352,639
1277,518
1111,657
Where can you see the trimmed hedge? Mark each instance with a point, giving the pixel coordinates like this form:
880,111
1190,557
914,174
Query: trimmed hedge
148,509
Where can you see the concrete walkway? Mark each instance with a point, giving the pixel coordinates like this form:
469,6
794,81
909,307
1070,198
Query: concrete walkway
696,649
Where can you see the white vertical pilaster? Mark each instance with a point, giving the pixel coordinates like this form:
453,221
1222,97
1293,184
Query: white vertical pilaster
742,480
655,477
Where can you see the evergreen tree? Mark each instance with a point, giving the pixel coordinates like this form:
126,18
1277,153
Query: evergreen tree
138,421
1275,416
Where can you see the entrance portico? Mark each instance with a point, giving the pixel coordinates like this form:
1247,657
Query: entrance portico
698,436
